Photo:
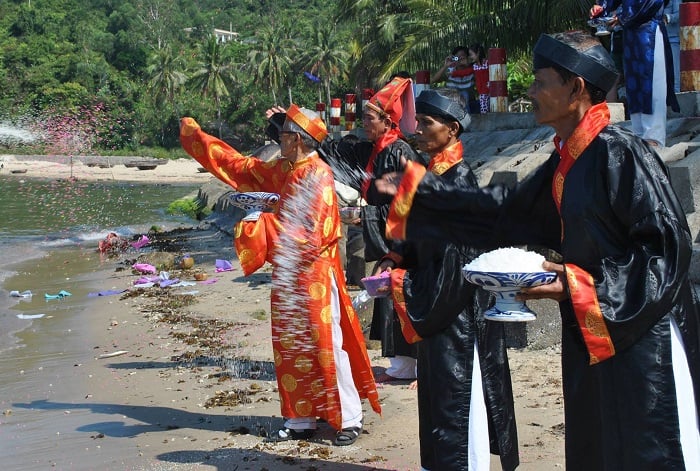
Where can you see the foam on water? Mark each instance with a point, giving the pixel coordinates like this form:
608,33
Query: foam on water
11,134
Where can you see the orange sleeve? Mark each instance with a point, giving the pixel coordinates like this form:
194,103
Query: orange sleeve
400,207
588,314
255,242
226,163
409,333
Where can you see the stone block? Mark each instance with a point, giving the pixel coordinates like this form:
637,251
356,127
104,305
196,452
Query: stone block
680,181
507,178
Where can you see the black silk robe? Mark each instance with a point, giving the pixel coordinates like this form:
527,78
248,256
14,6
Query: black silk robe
349,161
445,311
621,224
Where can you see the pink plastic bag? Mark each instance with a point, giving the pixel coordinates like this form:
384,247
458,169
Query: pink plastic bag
142,242
144,268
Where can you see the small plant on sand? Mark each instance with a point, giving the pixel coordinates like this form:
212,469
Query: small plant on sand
260,314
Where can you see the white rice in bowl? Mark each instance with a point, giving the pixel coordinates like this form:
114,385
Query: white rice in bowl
507,260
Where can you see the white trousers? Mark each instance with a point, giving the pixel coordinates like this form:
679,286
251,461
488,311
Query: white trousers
479,451
402,367
350,402
685,396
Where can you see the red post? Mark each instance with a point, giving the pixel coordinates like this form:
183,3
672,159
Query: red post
350,116
689,22
335,114
422,81
321,110
498,80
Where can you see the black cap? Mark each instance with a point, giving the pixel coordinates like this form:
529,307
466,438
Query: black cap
593,64
432,103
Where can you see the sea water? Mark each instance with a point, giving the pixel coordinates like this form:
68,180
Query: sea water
49,230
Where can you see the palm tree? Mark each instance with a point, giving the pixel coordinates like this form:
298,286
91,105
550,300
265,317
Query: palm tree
165,76
326,57
371,46
270,59
215,74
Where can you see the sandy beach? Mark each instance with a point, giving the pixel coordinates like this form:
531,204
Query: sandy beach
182,378
110,168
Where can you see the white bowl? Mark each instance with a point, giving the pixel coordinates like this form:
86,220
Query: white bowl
506,285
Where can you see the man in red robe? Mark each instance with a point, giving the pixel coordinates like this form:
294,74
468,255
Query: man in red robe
320,356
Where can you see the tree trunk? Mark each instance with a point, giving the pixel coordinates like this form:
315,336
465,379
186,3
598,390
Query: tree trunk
218,114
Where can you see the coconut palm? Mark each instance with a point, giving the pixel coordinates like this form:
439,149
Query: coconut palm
166,77
214,74
325,57
270,59
371,46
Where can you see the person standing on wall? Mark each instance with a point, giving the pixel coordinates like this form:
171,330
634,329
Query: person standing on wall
477,54
672,20
457,72
647,66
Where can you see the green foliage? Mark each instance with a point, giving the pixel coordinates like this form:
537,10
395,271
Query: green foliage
190,207
147,63
520,77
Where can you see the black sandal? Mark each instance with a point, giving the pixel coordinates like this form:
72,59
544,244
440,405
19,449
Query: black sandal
286,434
347,436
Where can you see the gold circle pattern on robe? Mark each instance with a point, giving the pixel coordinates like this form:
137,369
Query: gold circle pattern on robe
326,314
317,291
246,256
325,358
303,407
287,339
303,363
277,357
289,382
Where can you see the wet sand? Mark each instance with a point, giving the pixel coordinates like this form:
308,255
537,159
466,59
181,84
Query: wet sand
195,388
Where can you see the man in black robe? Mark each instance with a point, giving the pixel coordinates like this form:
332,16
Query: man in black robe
630,337
465,396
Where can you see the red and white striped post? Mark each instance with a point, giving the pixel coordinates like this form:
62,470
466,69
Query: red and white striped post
498,80
689,22
350,116
321,110
422,82
335,114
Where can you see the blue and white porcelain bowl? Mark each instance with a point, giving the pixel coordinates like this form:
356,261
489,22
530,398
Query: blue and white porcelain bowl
506,285
254,203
